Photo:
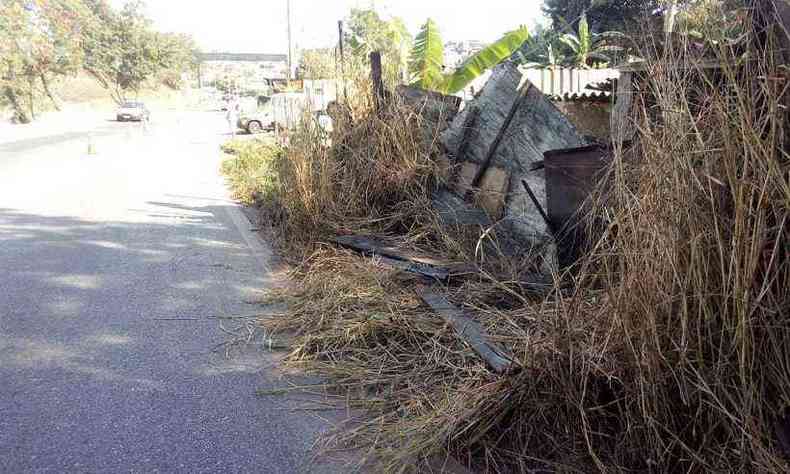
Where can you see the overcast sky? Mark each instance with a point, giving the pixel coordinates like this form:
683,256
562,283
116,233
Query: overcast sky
260,25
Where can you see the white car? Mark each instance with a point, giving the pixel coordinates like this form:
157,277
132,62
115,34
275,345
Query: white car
136,111
258,120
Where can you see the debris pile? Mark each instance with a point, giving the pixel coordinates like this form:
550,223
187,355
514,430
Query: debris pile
664,348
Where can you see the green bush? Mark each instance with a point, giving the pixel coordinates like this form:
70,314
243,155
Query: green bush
250,169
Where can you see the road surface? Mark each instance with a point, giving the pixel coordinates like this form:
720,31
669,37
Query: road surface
113,267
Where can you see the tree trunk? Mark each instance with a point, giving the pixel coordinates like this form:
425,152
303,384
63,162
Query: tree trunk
45,84
118,95
31,99
19,111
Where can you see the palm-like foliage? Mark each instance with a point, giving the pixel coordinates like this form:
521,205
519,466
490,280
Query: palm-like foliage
540,50
486,59
428,56
587,47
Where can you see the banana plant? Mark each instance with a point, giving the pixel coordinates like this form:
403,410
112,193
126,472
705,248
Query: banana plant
587,47
484,60
428,56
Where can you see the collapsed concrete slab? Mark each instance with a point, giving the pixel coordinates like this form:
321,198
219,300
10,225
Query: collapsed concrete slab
504,132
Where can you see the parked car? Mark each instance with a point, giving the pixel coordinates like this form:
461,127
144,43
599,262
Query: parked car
136,111
259,120
256,122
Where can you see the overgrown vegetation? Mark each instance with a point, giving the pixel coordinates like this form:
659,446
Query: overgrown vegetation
427,59
366,31
666,349
250,166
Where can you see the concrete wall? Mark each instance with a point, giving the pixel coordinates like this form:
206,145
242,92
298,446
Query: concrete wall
589,117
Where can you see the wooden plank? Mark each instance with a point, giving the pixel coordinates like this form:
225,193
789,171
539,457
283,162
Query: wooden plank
781,15
469,330
469,127
428,271
372,246
454,211
492,150
621,126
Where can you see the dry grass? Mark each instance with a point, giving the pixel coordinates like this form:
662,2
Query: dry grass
694,262
671,354
376,177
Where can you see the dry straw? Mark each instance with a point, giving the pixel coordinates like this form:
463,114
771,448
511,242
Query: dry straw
671,353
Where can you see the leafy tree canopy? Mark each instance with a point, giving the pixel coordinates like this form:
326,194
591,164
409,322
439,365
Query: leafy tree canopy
43,40
368,32
602,15
38,40
318,64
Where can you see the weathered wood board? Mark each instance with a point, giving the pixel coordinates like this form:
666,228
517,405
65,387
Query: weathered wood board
405,260
470,331
372,246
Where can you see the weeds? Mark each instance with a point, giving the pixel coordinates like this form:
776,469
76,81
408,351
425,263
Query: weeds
249,167
670,354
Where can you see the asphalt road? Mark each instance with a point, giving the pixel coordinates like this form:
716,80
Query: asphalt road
112,266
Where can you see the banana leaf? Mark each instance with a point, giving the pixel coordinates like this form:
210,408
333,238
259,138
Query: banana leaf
484,60
427,58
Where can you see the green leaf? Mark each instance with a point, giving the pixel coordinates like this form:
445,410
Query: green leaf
484,60
570,41
427,58
584,30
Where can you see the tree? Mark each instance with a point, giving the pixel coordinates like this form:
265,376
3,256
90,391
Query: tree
541,49
39,40
602,15
368,32
427,56
123,52
178,53
317,64
427,59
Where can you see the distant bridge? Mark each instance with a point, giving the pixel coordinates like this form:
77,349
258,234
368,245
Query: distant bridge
243,57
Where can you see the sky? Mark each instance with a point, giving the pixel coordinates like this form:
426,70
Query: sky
259,26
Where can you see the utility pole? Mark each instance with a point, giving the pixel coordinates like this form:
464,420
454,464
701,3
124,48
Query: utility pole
290,48
342,59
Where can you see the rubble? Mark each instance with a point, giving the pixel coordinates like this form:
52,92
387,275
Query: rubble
497,139
437,110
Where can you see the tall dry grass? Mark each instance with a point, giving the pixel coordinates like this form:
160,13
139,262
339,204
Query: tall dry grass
694,267
374,173
670,354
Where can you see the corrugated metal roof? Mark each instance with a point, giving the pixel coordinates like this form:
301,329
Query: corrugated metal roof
558,83
572,84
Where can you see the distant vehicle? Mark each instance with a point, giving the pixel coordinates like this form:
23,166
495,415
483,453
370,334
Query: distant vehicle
256,122
259,120
136,111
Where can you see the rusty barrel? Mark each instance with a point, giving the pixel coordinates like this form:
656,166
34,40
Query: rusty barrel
571,176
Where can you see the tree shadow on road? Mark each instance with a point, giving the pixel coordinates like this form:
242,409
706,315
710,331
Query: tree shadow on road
106,330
